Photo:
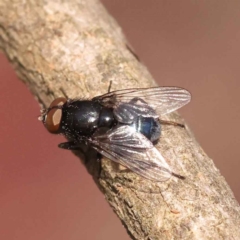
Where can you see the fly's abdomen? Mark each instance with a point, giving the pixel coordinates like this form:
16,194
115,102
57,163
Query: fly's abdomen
149,127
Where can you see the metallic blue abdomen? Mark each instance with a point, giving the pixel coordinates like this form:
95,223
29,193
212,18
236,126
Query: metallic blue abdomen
149,127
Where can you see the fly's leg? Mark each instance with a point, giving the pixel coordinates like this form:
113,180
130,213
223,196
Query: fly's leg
132,52
79,148
69,146
171,123
80,144
109,87
136,99
90,157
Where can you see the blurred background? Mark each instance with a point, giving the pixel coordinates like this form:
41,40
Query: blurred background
46,192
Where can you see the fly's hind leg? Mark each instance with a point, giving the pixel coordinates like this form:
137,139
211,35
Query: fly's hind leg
137,99
171,123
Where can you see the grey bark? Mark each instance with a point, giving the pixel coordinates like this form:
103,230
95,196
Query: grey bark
75,48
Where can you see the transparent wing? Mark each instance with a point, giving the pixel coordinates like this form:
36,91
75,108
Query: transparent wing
147,102
133,150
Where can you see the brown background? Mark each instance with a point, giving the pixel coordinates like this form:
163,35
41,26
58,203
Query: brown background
47,194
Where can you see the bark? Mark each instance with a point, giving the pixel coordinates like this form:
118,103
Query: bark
74,48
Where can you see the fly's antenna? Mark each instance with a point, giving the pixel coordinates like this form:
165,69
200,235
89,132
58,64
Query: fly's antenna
44,112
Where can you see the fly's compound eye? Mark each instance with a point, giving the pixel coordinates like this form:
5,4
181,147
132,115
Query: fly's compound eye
54,115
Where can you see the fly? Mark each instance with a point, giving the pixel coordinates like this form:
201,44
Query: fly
121,125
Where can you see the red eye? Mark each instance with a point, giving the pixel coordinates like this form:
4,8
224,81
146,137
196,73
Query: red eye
54,116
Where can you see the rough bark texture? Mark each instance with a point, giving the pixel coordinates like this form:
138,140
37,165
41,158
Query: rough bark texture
74,48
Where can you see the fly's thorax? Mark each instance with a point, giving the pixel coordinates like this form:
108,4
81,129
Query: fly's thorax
80,117
106,118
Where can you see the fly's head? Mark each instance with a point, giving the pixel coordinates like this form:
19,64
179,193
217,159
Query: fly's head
52,116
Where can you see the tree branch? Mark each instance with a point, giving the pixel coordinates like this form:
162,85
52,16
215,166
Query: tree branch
75,48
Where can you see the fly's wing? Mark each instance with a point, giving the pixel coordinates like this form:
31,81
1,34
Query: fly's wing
147,102
133,150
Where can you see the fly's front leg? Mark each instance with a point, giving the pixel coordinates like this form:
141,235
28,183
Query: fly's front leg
79,147
80,144
88,155
69,146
